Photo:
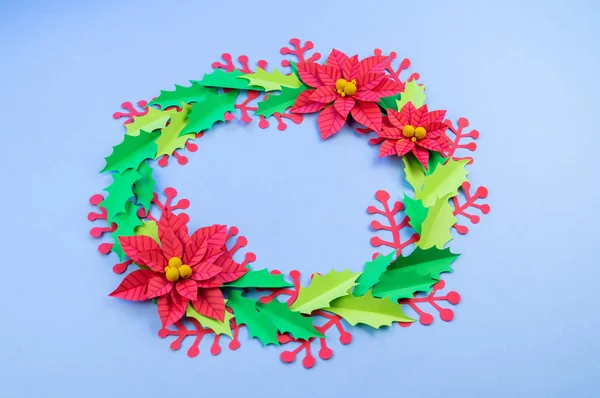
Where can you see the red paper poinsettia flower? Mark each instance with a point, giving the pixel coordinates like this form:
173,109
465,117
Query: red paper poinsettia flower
345,85
412,129
181,270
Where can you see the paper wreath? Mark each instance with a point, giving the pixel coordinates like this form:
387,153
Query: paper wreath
192,276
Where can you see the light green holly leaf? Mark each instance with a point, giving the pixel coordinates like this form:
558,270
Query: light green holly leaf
220,78
258,324
443,182
119,193
219,327
323,289
435,230
259,279
368,310
194,93
287,321
416,212
279,103
148,228
126,225
416,173
372,272
144,187
131,152
413,92
211,110
153,120
272,81
170,139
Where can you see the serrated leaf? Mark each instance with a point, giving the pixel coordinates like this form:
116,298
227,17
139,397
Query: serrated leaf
258,324
148,228
413,92
219,327
287,321
144,187
126,225
416,212
435,230
220,78
170,139
193,93
131,152
119,193
443,182
259,279
212,109
279,103
390,102
153,120
368,310
416,173
372,272
271,81
415,273
323,289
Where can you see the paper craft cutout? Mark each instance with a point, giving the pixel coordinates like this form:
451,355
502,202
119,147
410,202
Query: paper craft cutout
126,222
181,94
287,321
279,103
222,79
119,192
260,279
170,139
444,182
435,230
153,120
271,81
416,212
258,323
323,289
131,152
143,188
148,228
209,111
219,327
413,92
372,272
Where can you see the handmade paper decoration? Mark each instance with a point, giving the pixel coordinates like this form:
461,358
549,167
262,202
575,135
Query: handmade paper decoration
195,275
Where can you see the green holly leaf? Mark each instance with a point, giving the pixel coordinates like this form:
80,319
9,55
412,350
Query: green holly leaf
258,324
368,310
435,230
416,173
279,103
443,182
390,102
220,78
323,289
170,138
126,225
416,212
259,279
144,187
287,321
219,327
194,93
131,152
209,111
148,228
372,272
415,273
119,193
272,81
413,92
153,120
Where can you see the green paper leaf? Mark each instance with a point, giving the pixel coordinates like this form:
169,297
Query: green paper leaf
416,173
219,327
131,152
260,279
323,289
416,212
413,92
144,187
271,81
258,324
368,310
286,321
279,103
443,182
170,139
148,228
415,273
436,228
209,111
372,272
126,225
153,120
220,78
193,93
390,102
119,193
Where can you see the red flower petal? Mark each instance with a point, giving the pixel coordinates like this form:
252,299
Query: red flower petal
367,96
351,68
330,122
215,235
388,87
195,251
420,117
230,270
404,146
212,253
210,303
374,64
435,130
437,116
159,286
406,113
304,104
422,155
388,148
391,132
329,75
134,286
325,95
209,283
187,288
369,81
176,223
153,259
171,246
368,114
206,270
343,105
171,308
336,59
430,144
309,73
396,118
133,245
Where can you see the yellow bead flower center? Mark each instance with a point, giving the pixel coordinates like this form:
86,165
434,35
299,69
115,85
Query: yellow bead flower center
344,87
176,269
414,133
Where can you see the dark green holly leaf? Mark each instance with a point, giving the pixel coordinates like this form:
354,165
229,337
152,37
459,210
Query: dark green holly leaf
287,321
279,103
260,279
220,78
416,212
209,111
389,102
372,272
126,225
131,152
259,324
187,95
119,192
144,187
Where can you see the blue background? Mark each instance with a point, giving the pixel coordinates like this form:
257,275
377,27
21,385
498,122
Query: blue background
526,76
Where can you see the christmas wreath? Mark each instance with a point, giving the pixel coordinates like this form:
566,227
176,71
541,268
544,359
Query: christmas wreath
193,275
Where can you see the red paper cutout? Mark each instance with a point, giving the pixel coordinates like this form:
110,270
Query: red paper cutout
456,138
461,210
425,318
131,111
